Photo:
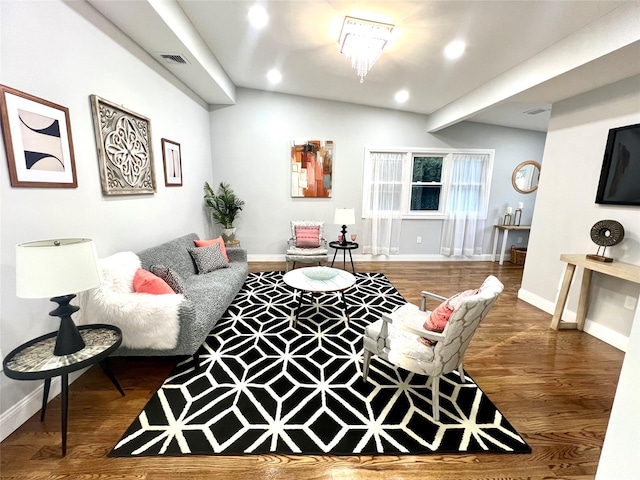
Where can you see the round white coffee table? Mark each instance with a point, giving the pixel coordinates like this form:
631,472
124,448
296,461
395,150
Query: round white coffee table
303,280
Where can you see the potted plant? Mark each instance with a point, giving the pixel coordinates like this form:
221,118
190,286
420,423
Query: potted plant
224,207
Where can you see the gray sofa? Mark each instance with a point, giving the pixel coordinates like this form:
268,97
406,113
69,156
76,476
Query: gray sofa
207,296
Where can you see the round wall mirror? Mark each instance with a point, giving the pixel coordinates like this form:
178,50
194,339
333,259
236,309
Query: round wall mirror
525,176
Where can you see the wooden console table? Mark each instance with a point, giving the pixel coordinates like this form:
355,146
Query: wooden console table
496,234
625,271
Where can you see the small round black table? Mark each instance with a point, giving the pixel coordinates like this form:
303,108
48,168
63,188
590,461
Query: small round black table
347,247
35,360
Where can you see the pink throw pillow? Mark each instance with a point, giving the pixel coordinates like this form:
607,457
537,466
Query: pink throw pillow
307,237
440,316
219,241
437,321
147,282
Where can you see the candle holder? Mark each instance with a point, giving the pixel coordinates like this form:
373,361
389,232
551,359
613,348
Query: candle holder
507,219
517,217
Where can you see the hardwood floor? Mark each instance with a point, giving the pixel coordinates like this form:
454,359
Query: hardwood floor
555,387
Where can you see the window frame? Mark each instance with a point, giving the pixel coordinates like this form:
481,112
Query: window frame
409,154
407,213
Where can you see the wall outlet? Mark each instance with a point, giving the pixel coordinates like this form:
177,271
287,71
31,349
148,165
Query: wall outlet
630,302
519,240
419,240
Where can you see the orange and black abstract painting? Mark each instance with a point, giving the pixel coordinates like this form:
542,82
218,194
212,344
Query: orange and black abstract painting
311,168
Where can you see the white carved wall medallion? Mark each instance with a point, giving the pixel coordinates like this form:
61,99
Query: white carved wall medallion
125,155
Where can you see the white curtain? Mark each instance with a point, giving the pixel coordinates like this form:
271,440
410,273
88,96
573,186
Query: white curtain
466,206
382,203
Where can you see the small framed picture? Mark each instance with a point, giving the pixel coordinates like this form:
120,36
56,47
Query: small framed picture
172,163
37,138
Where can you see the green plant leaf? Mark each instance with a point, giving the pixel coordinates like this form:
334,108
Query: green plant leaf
223,205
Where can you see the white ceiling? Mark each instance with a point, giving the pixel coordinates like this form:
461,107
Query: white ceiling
521,55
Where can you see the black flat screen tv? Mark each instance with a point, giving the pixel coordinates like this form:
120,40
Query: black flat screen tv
620,175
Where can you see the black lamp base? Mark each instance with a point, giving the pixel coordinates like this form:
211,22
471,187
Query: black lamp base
344,235
69,339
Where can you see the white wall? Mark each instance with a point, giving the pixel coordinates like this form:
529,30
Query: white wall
64,52
251,142
619,458
566,210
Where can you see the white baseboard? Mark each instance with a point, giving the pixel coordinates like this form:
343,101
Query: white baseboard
279,257
265,257
613,338
543,304
419,258
25,409
595,329
30,405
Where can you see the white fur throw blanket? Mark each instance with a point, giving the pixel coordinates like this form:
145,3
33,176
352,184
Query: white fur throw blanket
146,320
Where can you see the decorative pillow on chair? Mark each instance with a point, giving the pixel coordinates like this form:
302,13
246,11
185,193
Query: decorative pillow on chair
170,276
147,282
219,241
307,236
455,300
208,258
440,316
437,320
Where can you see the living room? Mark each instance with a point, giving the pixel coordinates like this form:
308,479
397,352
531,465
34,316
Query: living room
66,51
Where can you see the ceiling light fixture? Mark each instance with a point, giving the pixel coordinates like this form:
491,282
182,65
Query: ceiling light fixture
455,49
362,42
274,76
402,96
258,16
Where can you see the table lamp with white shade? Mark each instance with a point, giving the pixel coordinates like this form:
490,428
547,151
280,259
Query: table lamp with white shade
58,269
344,217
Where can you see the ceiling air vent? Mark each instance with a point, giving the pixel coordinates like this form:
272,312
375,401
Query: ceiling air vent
174,58
536,111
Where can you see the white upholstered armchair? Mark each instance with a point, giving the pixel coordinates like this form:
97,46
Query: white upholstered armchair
395,337
307,243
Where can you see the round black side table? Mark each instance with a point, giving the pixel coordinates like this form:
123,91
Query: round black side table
345,248
35,360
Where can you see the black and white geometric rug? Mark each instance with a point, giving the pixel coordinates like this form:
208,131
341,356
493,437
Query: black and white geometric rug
265,387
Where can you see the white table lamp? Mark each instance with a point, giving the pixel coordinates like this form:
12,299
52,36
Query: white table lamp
58,269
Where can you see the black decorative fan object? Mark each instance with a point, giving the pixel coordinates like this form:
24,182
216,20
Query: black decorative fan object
605,233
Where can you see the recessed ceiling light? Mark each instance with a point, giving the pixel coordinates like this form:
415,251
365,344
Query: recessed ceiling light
258,16
402,96
274,76
455,49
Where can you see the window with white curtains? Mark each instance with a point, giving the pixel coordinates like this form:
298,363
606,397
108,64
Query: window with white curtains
449,184
466,205
383,202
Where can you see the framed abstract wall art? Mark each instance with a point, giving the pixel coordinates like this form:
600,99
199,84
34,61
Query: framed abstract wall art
172,161
125,155
311,168
37,138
